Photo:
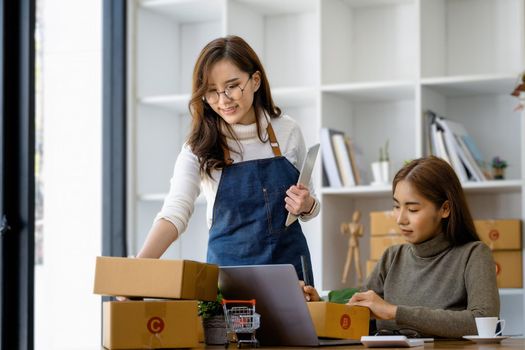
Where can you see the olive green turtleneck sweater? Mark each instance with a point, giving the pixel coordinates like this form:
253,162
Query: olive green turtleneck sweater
438,288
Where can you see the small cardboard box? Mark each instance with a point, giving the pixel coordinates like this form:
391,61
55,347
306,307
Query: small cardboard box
149,324
339,321
370,266
508,268
156,278
378,244
500,234
383,222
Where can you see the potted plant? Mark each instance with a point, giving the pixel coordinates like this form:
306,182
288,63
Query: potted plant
498,167
213,322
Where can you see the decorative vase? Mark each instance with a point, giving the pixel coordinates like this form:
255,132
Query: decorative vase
499,173
215,330
380,173
376,173
385,171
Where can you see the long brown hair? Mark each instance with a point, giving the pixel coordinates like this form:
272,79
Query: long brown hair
206,139
435,180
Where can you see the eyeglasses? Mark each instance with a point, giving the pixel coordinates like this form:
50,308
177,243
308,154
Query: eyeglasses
233,92
407,332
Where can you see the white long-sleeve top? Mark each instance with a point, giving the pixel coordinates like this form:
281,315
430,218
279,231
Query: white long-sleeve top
186,182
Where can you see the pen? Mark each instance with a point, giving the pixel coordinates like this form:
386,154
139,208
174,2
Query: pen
304,266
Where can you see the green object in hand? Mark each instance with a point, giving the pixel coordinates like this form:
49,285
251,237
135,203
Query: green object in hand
341,296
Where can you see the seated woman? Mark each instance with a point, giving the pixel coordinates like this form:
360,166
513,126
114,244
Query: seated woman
445,277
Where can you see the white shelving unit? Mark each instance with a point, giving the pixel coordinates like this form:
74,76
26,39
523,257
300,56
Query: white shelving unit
367,67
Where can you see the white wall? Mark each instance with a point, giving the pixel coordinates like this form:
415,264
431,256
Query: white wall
67,314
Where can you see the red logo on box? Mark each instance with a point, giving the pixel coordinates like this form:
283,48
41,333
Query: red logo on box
155,325
494,235
345,321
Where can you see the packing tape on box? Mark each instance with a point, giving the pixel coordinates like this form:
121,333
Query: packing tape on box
155,312
201,278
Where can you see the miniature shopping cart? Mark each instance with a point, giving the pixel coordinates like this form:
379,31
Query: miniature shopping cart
241,320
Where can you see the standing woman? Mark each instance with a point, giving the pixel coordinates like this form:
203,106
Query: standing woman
245,154
445,277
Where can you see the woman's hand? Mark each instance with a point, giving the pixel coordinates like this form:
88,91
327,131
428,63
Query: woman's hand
310,293
379,308
298,200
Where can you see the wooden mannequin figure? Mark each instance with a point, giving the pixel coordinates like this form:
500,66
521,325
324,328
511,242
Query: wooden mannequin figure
355,230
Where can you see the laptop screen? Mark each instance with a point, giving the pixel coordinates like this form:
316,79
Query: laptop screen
285,319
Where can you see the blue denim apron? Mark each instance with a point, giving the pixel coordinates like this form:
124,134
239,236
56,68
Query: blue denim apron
249,215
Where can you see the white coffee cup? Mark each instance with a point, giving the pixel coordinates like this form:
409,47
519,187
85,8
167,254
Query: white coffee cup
487,326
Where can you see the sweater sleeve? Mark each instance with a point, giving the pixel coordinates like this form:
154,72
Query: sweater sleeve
482,300
376,280
184,189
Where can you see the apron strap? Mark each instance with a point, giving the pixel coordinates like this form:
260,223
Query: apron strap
273,143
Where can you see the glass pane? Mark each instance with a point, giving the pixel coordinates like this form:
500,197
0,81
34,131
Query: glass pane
68,173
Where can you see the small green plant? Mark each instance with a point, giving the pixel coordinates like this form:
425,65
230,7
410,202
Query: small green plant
208,309
498,163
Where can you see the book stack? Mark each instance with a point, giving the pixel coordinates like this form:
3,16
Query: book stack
450,141
341,159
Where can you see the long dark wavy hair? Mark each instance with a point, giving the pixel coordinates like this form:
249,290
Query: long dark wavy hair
206,139
435,180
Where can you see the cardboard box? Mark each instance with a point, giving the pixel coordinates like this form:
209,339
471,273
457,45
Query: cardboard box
156,278
370,266
339,321
378,244
508,268
383,222
500,234
200,330
149,324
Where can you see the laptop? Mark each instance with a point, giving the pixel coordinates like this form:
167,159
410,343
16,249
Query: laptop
285,319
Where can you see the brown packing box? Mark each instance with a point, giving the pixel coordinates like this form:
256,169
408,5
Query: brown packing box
500,234
383,222
370,266
508,268
378,244
156,278
200,330
149,324
339,321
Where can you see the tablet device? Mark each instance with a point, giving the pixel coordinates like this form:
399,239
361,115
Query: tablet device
305,175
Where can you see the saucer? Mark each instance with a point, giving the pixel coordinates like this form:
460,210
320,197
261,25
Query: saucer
484,340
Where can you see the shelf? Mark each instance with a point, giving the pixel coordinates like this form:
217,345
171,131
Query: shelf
494,186
471,37
373,91
358,191
159,197
279,7
186,11
471,85
175,103
510,291
283,96
368,41
367,3
294,96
